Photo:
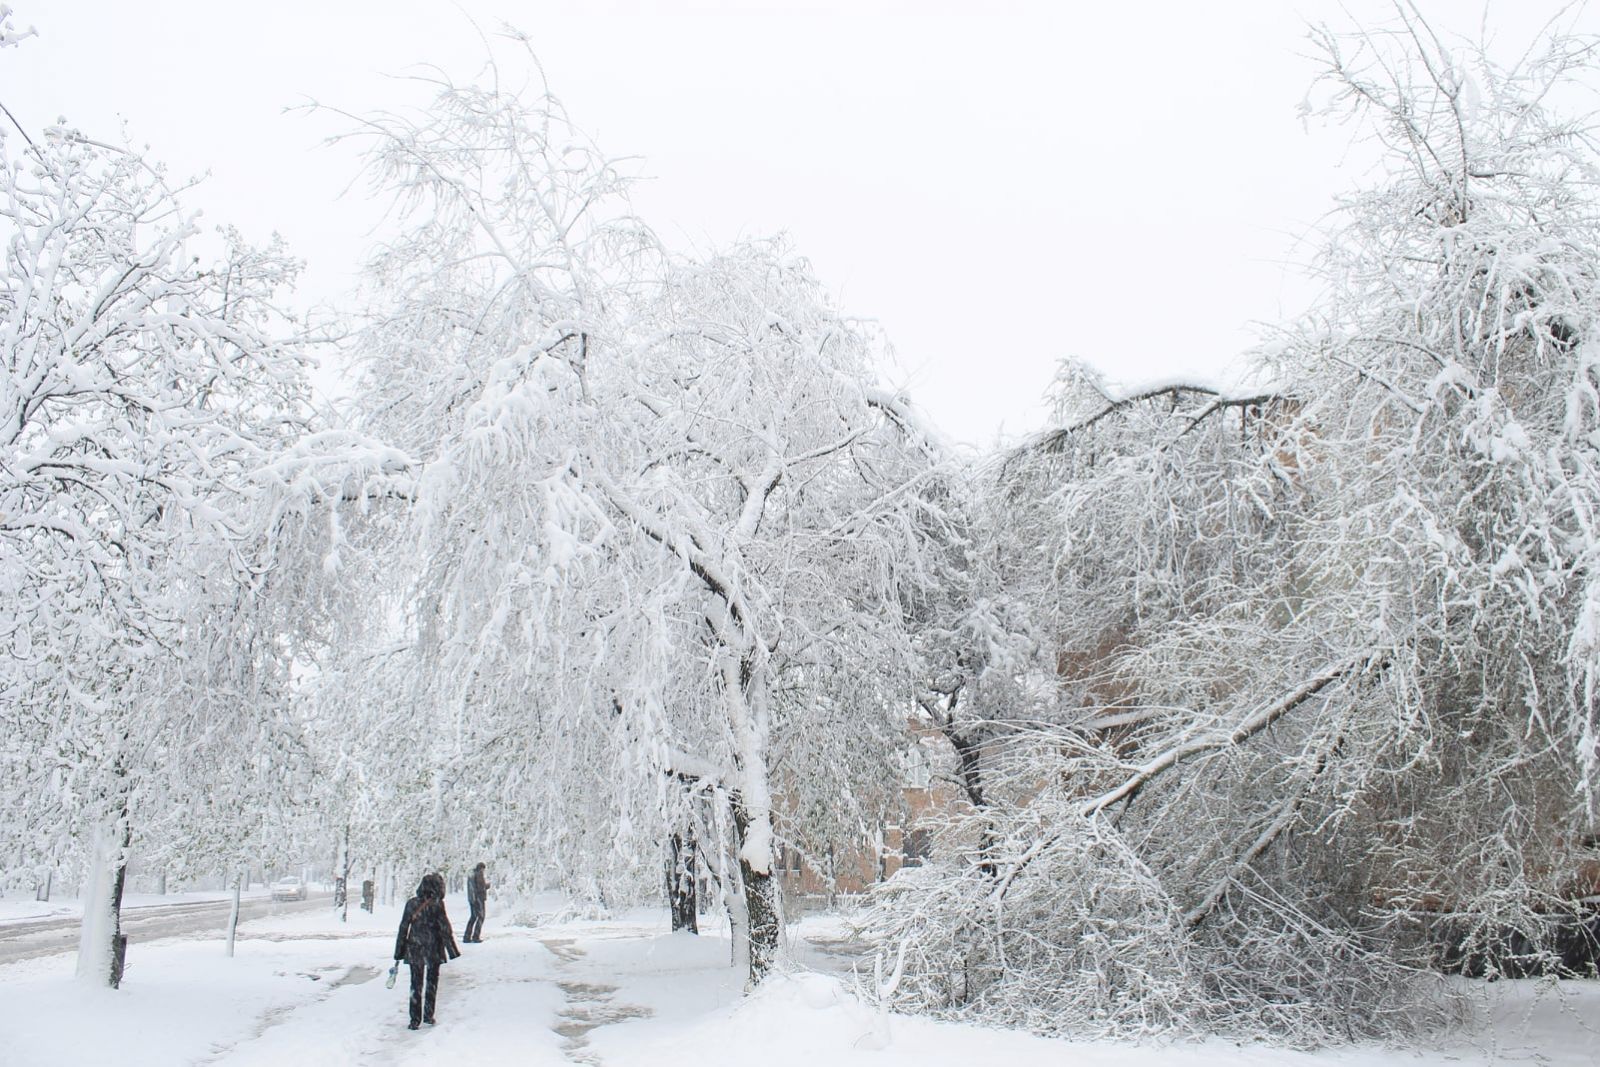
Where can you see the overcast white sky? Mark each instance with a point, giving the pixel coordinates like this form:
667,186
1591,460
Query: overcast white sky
1123,183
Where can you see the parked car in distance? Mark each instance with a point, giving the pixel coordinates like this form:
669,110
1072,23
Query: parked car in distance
290,888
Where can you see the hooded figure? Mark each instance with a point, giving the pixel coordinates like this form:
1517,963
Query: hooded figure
477,894
425,941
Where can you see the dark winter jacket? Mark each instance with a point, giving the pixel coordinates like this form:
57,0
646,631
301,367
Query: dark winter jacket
425,933
477,889
436,881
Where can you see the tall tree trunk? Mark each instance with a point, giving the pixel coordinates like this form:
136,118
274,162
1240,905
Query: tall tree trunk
734,900
766,920
745,690
344,879
233,913
969,751
119,940
95,933
763,914
102,947
682,898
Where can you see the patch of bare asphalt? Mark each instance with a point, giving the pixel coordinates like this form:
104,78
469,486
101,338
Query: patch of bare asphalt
588,1007
564,949
279,935
847,948
357,975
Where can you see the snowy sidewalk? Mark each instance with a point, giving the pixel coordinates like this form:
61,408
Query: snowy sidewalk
306,989
301,989
497,1004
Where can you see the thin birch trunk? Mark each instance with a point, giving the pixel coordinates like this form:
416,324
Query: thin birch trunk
233,913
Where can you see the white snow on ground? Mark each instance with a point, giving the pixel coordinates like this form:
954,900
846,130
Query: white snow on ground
306,989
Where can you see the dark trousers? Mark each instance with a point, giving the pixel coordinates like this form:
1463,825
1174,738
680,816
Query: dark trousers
424,979
474,923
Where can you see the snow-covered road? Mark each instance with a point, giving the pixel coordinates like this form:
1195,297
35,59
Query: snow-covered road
306,989
33,938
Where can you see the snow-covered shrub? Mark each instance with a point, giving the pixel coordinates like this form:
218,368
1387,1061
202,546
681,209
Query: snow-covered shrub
1075,932
1335,640
1084,940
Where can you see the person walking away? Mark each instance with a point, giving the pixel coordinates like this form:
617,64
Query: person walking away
477,896
425,941
436,880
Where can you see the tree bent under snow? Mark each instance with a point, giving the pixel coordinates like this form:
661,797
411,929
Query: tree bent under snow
1335,640
662,504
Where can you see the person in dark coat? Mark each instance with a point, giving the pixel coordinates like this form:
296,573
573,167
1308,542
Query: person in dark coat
477,895
437,881
425,941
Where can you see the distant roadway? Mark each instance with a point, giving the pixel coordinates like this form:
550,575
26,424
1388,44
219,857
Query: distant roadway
28,939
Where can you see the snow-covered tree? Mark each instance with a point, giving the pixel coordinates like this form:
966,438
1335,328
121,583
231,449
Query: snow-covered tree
1336,639
143,387
665,510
